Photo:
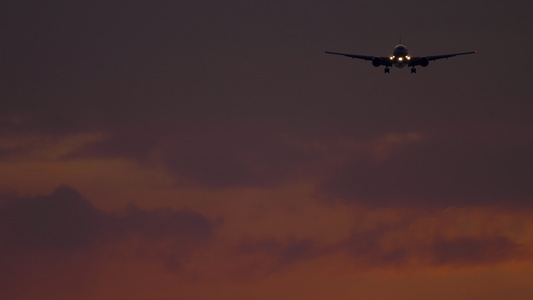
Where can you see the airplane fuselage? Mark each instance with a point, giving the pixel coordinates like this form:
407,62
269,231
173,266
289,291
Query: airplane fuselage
400,57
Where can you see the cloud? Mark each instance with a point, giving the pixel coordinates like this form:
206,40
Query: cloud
223,157
446,168
66,222
287,251
374,249
259,257
241,160
475,250
392,245
63,221
367,248
64,237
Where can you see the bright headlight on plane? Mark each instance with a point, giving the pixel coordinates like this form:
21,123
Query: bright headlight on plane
408,57
392,57
400,58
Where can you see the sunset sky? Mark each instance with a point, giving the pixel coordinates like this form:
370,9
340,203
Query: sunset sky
176,150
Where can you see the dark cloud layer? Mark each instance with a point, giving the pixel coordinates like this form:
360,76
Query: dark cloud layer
370,249
285,252
64,221
61,236
386,246
461,167
476,250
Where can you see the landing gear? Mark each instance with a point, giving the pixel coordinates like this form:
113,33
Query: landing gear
387,70
413,70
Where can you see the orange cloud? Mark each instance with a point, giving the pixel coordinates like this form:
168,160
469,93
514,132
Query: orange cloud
140,252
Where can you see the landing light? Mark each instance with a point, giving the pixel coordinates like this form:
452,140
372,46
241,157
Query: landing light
400,58
408,57
392,57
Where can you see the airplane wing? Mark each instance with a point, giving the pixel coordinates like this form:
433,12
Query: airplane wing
385,61
435,57
365,57
424,60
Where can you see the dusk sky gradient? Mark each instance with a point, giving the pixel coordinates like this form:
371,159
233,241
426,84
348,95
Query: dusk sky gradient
171,150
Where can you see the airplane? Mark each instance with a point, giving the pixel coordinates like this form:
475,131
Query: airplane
400,58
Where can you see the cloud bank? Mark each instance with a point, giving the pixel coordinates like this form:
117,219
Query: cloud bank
65,222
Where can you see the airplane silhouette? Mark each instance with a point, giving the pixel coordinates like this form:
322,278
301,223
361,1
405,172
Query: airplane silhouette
400,58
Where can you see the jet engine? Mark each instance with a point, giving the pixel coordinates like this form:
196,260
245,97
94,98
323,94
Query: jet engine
376,61
424,61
